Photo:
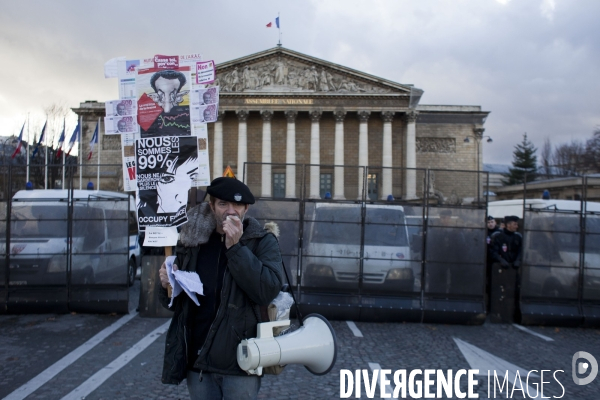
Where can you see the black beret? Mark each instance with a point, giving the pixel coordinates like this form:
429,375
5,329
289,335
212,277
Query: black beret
489,218
511,218
230,189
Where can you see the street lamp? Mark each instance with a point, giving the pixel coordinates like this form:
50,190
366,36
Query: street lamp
478,138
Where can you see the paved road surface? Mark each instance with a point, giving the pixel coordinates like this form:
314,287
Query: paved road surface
78,356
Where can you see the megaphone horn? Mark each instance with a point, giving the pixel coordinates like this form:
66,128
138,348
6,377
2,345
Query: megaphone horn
313,345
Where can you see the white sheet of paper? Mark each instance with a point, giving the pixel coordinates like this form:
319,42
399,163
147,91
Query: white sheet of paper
186,281
156,236
111,67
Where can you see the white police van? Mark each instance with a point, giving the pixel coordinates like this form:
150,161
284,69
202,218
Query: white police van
332,249
104,230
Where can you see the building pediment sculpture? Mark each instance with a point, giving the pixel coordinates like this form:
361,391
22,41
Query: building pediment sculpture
281,71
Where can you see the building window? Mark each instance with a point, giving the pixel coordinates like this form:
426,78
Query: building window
278,185
325,185
372,184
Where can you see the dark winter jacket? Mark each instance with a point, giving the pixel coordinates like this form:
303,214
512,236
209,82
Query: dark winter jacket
506,248
253,277
488,240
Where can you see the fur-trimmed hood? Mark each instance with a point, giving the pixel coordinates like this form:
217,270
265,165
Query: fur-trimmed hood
201,224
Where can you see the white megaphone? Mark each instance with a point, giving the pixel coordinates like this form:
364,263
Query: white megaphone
313,345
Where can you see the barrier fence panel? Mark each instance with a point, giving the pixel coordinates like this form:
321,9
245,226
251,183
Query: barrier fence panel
62,253
590,286
285,215
455,247
549,278
104,254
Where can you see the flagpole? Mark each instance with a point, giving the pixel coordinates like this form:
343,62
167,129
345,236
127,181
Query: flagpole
279,29
46,159
63,153
80,152
28,140
63,170
98,145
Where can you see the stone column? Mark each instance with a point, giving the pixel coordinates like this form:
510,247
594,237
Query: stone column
315,156
386,161
218,146
267,116
242,143
410,190
338,158
363,148
290,154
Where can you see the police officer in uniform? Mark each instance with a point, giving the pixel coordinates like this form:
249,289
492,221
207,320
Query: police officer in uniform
492,228
506,252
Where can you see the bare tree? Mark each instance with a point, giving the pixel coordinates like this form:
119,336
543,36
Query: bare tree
546,158
570,158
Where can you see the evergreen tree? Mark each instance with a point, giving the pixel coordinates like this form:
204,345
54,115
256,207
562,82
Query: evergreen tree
524,164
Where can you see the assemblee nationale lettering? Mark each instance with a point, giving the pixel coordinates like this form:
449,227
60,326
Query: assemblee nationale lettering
278,101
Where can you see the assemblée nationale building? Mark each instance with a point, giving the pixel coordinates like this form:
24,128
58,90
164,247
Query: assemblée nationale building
307,127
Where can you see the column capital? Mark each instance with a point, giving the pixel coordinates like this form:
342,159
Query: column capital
363,115
387,116
339,115
267,115
291,115
220,115
411,116
242,115
315,115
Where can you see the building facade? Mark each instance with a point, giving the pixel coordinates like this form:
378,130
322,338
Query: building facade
291,125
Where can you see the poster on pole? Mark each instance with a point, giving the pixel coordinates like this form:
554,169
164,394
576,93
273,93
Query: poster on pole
120,125
204,96
163,100
166,166
128,154
205,72
120,108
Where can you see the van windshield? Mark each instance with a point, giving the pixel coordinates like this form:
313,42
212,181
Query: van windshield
383,227
47,221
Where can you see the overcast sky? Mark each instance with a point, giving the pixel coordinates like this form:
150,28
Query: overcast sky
534,64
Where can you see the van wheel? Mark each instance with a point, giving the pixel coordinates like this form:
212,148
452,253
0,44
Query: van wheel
131,270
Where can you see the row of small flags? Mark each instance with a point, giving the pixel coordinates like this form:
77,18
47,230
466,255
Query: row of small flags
74,138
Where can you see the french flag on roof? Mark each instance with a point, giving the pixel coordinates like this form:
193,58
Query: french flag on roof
270,24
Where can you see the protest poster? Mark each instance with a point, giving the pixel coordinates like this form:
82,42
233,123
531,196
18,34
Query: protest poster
119,108
204,96
205,72
165,169
119,125
128,154
163,99
204,114
202,178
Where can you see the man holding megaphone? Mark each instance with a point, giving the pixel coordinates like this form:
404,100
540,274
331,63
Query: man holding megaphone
240,266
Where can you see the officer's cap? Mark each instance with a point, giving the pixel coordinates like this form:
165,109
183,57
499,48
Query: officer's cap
230,189
511,218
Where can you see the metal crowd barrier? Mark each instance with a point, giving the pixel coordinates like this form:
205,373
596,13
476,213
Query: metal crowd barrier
63,255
